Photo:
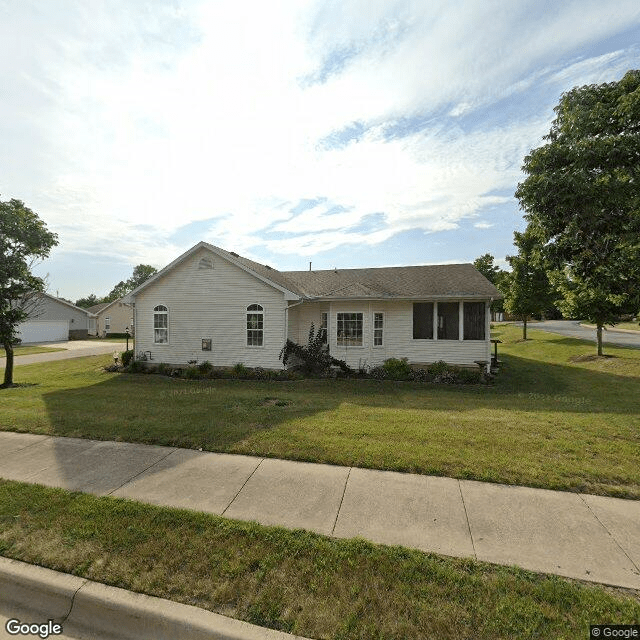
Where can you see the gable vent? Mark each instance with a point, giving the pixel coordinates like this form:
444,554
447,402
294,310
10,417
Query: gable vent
205,263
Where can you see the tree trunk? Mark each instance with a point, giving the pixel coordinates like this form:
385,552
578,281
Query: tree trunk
8,367
599,335
524,327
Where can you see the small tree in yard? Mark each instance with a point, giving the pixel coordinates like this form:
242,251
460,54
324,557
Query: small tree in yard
581,197
24,239
527,289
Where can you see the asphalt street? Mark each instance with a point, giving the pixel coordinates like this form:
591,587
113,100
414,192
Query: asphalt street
573,329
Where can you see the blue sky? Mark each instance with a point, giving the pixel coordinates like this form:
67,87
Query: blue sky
347,133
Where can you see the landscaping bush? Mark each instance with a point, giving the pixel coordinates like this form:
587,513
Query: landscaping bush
314,359
192,373
126,357
397,369
205,367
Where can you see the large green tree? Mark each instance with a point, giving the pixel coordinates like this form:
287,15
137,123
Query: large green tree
24,239
581,197
141,273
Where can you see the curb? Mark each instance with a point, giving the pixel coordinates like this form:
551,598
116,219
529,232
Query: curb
613,330
92,609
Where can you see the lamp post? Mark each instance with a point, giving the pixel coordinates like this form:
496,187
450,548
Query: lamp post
126,330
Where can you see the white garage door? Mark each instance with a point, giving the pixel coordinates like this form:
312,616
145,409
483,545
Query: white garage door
45,331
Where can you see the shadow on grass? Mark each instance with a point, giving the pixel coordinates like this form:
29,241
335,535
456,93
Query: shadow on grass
218,414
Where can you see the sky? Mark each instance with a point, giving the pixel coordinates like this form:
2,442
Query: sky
346,133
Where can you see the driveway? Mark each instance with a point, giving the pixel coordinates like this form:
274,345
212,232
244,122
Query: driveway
73,349
573,329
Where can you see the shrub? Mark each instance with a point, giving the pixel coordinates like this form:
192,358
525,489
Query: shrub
314,359
135,366
239,370
378,373
164,369
192,373
205,367
421,375
397,369
126,357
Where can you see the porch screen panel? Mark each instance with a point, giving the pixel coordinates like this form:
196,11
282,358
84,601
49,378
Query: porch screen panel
448,327
474,320
423,320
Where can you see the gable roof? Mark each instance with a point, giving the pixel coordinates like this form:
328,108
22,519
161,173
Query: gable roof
65,302
99,308
414,282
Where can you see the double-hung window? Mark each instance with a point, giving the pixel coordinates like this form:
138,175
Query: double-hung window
378,329
255,325
349,329
160,324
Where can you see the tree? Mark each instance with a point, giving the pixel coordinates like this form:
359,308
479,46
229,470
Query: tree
492,272
581,198
88,301
527,287
24,239
141,273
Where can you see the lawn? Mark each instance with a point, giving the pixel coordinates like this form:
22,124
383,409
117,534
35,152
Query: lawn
296,581
556,417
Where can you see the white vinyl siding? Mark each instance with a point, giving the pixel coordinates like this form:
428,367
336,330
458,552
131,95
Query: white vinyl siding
210,303
398,341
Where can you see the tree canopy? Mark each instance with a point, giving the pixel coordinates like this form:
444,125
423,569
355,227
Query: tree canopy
141,273
24,239
581,198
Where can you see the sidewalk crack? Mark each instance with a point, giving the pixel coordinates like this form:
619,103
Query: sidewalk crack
141,472
466,515
73,601
593,513
244,484
344,491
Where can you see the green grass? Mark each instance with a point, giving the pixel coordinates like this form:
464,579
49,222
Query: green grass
556,417
296,581
632,326
28,350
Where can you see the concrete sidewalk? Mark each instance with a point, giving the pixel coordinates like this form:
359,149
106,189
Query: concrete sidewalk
574,535
72,349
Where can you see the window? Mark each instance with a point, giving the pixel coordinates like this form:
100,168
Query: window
107,323
160,324
423,320
324,319
378,329
448,324
255,325
206,344
474,320
349,329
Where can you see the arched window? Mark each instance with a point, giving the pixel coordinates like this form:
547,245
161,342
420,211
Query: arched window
160,324
255,325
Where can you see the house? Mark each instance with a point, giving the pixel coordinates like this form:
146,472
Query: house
214,305
53,319
112,317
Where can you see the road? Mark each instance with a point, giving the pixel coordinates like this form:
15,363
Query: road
573,329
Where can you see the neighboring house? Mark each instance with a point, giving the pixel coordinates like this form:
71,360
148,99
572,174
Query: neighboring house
52,319
113,317
213,305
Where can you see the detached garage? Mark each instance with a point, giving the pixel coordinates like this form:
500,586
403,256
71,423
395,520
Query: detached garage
53,320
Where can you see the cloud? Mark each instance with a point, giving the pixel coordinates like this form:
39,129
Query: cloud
124,115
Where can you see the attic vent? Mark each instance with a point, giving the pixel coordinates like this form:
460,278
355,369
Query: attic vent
233,253
205,263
